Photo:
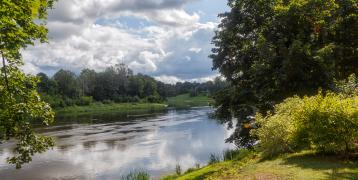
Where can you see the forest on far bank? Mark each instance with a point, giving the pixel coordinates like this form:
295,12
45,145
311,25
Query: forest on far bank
115,84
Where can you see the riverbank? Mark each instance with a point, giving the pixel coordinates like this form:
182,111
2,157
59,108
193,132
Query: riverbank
96,108
185,101
180,102
303,165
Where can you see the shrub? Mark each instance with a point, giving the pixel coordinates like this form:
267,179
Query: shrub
154,99
69,101
278,130
348,87
54,101
135,99
331,122
326,123
84,101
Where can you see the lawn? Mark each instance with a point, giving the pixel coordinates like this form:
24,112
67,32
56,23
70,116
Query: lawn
185,101
304,165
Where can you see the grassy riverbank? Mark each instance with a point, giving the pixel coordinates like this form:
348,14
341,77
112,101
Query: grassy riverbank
96,108
185,101
181,101
303,165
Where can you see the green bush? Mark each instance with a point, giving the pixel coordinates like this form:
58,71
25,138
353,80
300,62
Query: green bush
54,101
154,99
278,130
326,123
69,101
348,87
135,99
84,101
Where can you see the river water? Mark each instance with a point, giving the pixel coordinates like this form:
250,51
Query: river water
110,146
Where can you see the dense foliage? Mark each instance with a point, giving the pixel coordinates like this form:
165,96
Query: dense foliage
270,50
21,24
116,84
326,123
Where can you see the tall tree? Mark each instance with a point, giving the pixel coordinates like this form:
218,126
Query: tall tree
21,24
46,85
123,74
272,49
87,81
67,83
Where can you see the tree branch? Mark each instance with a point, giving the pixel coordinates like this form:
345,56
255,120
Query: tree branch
5,72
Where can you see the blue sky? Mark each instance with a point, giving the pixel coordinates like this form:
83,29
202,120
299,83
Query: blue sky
167,39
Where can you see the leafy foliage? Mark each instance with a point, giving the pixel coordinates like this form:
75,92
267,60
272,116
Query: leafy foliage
326,123
115,84
348,87
273,49
21,24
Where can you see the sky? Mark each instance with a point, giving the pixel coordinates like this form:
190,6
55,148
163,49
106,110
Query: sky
167,39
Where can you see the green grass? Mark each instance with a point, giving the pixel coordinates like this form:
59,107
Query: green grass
185,101
99,108
304,165
136,175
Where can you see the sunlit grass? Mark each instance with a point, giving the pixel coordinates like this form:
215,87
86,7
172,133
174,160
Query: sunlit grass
304,165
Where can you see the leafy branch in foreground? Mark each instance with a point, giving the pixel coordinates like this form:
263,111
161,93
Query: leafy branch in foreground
21,24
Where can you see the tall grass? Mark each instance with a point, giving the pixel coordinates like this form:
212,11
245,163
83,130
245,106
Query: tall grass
178,169
136,175
214,158
235,154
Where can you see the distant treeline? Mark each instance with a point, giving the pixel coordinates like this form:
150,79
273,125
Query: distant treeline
115,84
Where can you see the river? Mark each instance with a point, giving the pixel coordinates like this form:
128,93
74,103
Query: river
110,146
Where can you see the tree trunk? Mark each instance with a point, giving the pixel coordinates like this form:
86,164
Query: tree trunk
5,72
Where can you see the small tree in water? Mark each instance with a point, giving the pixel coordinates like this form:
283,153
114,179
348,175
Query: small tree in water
21,24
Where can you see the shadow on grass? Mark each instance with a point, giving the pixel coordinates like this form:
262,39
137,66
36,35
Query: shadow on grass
336,168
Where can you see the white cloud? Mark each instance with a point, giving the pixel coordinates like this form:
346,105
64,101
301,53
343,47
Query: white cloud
196,50
174,79
168,79
80,37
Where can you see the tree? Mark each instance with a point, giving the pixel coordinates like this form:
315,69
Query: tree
272,49
136,86
46,85
67,83
21,24
87,81
123,73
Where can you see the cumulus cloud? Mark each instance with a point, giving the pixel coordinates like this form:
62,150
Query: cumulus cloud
172,43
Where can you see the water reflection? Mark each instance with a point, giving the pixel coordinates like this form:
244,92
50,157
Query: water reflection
106,149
